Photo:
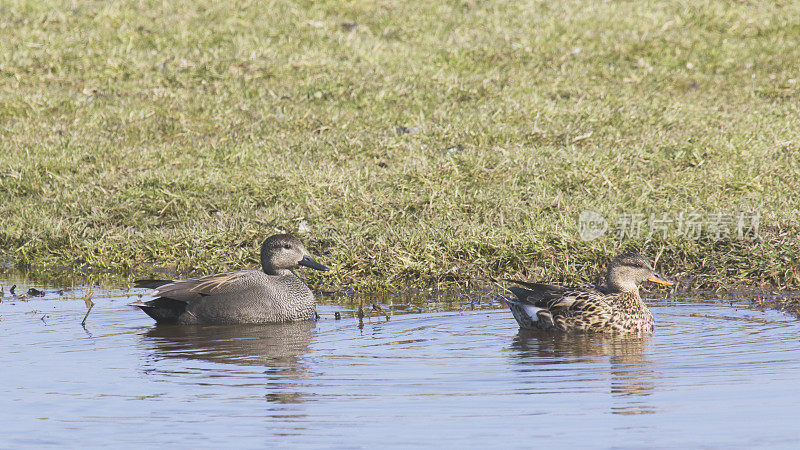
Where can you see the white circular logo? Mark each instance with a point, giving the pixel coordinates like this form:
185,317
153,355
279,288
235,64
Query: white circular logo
591,225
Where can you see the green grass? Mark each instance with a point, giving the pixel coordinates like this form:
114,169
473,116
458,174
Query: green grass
148,134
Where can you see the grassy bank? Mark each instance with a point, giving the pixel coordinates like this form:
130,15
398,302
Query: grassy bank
418,143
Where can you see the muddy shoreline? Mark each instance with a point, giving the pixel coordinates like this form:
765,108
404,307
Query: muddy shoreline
59,284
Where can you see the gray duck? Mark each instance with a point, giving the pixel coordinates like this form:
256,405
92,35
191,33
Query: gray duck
271,295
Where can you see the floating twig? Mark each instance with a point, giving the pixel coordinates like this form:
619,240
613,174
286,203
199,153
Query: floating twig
378,308
87,299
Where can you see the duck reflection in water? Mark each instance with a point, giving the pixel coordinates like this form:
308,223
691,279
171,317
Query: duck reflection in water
630,373
279,348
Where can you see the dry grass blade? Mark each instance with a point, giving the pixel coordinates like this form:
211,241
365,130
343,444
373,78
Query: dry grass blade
360,313
87,299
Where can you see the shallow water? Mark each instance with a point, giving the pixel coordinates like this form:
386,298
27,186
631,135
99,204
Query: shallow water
457,373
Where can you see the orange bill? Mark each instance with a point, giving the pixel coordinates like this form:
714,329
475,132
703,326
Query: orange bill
656,278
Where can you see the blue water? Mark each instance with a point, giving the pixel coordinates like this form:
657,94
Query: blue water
457,374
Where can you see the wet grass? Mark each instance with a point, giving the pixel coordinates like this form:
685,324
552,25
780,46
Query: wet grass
419,143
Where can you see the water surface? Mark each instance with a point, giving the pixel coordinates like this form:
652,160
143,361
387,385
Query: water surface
457,373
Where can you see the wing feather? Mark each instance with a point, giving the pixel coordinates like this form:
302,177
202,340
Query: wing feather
194,288
548,296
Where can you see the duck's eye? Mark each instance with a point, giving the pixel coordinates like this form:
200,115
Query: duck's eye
287,247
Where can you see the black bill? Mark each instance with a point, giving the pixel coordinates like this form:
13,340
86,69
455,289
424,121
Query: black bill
309,262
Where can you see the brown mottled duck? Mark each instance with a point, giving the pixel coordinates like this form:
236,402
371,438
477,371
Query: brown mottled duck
614,307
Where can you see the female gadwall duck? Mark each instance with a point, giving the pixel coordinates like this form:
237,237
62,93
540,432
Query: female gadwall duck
273,295
613,307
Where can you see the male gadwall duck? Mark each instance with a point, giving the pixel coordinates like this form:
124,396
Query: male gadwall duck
613,307
273,295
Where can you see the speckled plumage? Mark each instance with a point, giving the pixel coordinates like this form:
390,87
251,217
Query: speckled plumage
615,307
245,296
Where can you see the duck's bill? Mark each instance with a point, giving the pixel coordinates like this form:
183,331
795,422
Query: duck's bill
309,262
656,278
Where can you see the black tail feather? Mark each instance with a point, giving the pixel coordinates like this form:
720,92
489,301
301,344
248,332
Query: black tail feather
163,310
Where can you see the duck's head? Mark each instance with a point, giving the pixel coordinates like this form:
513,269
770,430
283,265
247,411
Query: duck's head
629,270
282,252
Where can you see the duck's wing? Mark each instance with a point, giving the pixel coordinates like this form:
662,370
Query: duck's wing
552,297
536,294
195,288
150,283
